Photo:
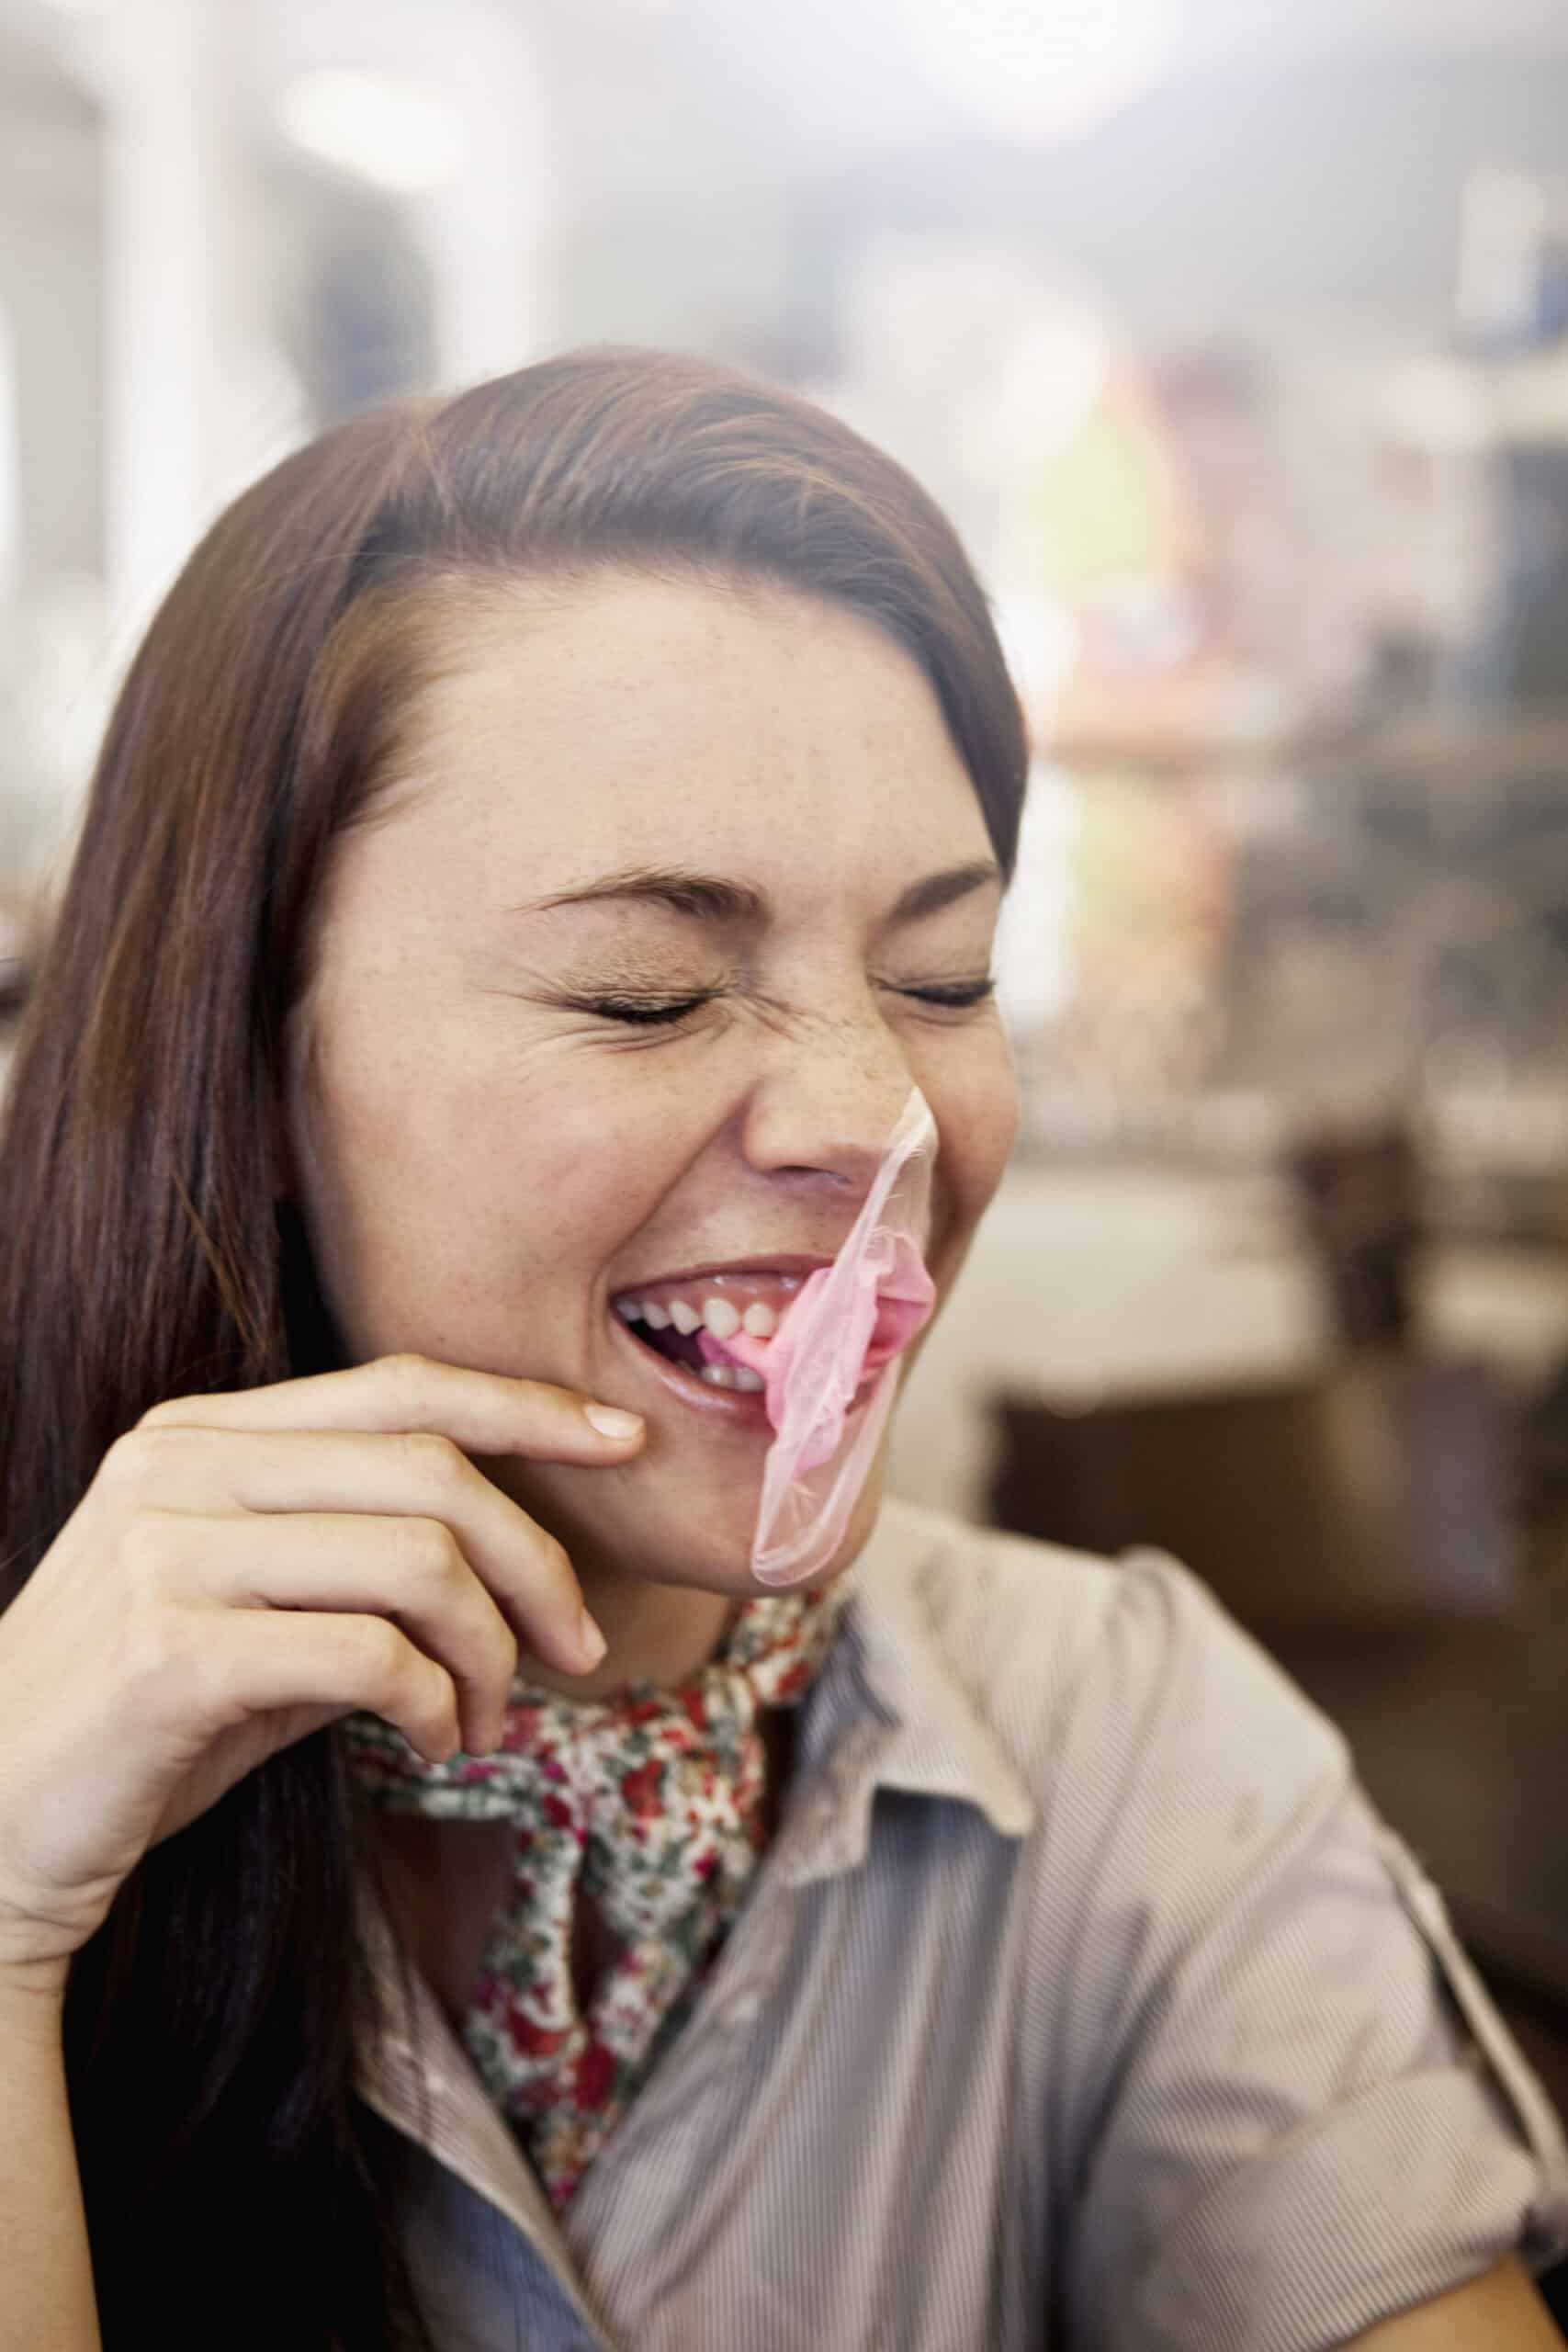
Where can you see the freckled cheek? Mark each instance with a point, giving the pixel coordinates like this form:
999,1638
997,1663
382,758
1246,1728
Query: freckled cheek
978,1120
549,1168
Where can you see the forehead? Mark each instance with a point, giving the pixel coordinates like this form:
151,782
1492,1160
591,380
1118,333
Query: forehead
571,730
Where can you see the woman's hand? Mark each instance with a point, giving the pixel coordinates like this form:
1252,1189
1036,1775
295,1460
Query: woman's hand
245,1569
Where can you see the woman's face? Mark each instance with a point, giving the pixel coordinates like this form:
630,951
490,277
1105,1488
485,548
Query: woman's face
621,800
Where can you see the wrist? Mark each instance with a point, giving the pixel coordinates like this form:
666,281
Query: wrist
32,1996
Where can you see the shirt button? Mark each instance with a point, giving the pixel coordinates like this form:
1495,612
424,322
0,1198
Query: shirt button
745,2009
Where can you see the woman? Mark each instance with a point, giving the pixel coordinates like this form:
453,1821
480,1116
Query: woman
545,839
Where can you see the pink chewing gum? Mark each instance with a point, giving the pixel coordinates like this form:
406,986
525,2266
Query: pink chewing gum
841,1339
874,1322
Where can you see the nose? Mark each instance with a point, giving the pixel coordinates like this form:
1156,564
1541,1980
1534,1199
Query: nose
828,1103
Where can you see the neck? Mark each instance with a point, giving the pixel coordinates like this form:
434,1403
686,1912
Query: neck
662,1634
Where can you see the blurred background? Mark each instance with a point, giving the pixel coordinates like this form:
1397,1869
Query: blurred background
1236,340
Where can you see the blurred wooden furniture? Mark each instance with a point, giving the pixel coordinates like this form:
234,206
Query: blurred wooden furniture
1358,1526
1374,1493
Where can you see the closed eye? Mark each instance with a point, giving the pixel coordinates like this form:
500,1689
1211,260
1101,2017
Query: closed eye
957,997
646,1011
652,1013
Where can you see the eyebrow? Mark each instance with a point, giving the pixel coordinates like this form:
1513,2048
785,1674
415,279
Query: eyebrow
710,898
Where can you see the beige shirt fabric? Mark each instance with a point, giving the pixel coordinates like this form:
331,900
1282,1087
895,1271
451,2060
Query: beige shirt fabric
1082,2001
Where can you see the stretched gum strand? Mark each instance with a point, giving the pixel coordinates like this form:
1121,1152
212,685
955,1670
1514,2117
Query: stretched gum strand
903,1307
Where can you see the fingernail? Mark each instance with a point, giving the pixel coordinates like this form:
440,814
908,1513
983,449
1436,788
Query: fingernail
610,1421
590,1641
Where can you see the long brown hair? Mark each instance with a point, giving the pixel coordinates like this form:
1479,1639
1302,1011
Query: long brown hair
211,2023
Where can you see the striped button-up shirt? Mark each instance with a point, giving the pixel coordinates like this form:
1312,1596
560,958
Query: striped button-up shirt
1080,2001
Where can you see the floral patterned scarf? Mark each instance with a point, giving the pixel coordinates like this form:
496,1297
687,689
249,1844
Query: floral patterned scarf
652,1803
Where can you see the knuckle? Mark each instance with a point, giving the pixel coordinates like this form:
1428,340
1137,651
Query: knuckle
140,1460
384,1656
427,1551
433,1459
163,1415
209,1678
156,1646
410,1377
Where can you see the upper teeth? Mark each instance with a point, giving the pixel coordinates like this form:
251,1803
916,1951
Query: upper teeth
721,1315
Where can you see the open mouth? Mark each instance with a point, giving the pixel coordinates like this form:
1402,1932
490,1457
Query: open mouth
682,1348
673,1318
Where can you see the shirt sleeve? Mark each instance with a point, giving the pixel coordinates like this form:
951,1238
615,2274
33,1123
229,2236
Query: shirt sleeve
1297,2110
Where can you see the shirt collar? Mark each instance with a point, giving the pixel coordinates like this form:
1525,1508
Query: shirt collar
890,1712
415,2073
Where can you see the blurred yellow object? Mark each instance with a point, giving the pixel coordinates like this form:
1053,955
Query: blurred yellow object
1109,507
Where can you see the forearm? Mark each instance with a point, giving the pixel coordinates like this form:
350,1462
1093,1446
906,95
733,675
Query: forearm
46,2275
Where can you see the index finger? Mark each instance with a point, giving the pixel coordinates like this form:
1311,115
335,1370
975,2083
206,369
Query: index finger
484,1412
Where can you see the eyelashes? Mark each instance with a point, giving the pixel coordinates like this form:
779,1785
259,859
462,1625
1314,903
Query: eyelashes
959,997
648,1012
641,1010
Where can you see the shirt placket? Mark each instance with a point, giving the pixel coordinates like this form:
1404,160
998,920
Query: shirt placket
669,2120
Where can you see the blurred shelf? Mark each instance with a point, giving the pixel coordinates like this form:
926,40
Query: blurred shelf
1472,749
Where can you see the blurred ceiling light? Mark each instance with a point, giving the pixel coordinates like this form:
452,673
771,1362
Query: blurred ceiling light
378,128
1042,66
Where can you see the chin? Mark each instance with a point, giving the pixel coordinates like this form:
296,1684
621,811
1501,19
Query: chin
721,1560
703,1543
